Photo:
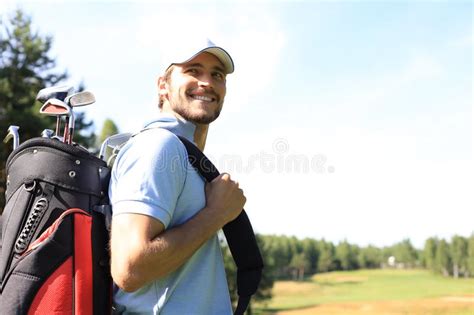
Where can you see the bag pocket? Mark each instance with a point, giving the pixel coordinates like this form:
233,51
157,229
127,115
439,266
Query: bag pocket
54,276
13,218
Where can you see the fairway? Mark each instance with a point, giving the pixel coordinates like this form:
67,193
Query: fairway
374,292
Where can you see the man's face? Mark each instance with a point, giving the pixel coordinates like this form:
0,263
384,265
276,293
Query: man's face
196,89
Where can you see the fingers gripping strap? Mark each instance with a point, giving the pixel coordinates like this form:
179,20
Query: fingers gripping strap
239,234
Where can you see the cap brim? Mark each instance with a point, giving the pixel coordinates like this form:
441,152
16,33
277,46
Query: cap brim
223,56
220,54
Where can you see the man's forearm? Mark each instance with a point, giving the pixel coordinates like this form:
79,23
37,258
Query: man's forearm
167,251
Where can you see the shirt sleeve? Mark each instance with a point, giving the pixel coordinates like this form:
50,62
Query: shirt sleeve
148,175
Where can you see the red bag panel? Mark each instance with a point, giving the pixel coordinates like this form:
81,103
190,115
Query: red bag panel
55,295
83,287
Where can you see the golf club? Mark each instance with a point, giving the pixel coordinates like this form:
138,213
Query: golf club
113,141
75,100
13,134
80,99
115,151
57,92
55,107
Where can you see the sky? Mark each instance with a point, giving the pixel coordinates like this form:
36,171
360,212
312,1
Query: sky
343,120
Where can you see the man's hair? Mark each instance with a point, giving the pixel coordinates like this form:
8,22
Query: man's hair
166,77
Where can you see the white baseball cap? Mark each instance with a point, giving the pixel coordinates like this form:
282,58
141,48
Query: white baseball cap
188,49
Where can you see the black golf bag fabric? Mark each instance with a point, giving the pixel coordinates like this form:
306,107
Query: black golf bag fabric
54,257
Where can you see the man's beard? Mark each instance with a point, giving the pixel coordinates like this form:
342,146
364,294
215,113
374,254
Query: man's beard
187,113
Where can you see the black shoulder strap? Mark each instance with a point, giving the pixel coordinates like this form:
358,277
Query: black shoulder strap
239,234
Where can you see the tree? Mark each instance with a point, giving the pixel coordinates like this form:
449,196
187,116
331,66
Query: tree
264,291
309,248
459,255
429,253
470,255
291,248
281,252
326,256
405,253
346,255
25,68
299,263
443,258
109,128
369,257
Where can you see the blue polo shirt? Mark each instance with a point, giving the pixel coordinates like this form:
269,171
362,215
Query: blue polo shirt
152,176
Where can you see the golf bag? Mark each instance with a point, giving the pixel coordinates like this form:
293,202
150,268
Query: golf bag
54,257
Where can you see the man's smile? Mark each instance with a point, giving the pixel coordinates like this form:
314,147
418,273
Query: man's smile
199,97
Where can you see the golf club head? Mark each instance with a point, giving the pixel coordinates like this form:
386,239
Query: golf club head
80,99
47,133
55,107
13,134
57,92
115,151
113,142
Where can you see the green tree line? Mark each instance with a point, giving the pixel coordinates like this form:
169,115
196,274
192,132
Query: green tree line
288,257
454,258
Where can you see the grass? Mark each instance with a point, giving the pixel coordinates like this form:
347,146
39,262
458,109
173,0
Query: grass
404,287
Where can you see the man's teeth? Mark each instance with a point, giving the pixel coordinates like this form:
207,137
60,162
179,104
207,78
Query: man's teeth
202,98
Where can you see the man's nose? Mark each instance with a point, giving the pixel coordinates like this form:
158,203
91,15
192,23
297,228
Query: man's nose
205,80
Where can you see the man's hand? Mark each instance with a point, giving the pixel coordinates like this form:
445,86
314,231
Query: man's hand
224,198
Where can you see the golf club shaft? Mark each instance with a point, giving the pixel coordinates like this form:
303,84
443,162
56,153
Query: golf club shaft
66,130
71,131
58,125
72,126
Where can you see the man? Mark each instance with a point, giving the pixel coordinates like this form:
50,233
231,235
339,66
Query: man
165,254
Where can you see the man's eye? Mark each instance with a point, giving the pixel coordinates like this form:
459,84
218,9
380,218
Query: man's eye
191,71
218,76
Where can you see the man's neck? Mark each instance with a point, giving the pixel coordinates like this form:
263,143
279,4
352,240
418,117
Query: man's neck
200,133
200,136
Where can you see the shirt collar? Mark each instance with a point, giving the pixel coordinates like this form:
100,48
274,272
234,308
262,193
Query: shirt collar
177,126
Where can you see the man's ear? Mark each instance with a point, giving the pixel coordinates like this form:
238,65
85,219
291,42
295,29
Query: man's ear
162,86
